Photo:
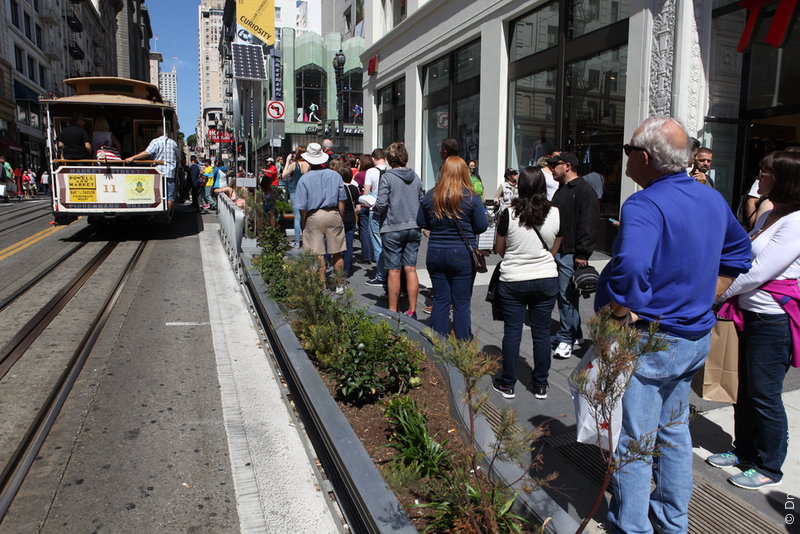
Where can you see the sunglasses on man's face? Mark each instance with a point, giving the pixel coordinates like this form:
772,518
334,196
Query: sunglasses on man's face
633,148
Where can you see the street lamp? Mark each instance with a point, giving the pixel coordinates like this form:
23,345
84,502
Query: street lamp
338,67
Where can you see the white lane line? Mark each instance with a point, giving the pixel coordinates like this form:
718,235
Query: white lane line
187,323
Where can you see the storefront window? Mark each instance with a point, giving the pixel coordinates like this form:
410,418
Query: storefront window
310,94
353,96
584,16
535,32
391,113
594,119
533,112
451,106
774,76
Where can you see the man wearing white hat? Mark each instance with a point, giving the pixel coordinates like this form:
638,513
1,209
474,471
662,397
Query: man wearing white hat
320,198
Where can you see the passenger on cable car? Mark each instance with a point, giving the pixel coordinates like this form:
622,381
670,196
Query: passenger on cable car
73,141
164,149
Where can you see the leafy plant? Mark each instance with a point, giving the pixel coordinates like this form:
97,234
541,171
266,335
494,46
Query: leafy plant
271,263
468,499
416,447
618,349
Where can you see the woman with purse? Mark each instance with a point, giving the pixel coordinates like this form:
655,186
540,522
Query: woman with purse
454,215
765,302
527,239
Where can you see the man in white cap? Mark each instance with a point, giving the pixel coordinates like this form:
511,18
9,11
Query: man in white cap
320,198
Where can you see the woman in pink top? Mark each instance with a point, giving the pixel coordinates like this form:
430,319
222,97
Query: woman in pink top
768,298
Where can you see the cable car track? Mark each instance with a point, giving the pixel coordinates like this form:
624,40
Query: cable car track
17,467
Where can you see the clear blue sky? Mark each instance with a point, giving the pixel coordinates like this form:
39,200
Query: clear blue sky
175,23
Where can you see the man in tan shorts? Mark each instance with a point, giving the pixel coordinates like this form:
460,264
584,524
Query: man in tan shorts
320,198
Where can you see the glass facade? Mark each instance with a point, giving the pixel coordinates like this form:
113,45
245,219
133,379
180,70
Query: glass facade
353,96
311,94
567,82
451,107
391,113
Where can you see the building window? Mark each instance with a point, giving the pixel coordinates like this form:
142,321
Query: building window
32,71
28,27
451,106
392,113
310,94
19,62
578,105
535,32
42,78
14,13
39,37
353,96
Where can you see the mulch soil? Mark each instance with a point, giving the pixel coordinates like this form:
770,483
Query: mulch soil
369,423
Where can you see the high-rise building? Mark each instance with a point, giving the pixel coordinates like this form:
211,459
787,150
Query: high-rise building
168,85
133,40
209,68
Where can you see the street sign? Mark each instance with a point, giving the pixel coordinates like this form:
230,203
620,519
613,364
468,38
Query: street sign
276,109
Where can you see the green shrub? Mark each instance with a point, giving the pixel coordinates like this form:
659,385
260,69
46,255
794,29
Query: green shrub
416,447
271,263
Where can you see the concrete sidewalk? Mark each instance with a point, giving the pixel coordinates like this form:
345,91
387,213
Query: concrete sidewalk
717,506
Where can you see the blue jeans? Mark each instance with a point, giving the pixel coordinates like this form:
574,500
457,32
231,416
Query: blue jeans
761,430
349,234
377,246
364,235
452,277
568,300
298,233
534,298
658,394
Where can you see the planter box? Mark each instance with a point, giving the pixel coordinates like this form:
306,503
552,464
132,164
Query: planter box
367,501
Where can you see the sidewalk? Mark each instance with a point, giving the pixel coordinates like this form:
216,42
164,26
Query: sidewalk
717,506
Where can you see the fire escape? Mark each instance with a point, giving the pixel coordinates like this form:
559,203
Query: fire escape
76,53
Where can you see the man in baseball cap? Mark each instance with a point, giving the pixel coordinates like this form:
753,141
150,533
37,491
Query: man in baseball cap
580,214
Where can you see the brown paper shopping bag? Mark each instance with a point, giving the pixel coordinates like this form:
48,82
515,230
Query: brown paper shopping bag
718,380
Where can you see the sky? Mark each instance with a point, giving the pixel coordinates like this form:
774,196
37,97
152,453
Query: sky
175,24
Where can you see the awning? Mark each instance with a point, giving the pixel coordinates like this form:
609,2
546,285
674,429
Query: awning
23,92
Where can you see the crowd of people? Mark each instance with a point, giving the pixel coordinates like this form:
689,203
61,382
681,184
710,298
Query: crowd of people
662,270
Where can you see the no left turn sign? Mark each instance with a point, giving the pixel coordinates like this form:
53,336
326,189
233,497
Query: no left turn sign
276,109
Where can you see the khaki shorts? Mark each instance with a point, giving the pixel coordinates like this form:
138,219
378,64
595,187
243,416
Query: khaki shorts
324,225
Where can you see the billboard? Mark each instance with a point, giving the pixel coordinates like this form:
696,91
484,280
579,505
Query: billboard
257,17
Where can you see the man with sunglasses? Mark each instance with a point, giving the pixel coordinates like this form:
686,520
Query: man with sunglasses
580,214
667,267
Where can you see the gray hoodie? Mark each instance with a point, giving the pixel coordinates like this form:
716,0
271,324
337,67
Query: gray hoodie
399,193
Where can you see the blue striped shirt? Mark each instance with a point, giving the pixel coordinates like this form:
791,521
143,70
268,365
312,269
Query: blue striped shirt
165,149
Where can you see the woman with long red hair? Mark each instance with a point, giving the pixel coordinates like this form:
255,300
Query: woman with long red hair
454,215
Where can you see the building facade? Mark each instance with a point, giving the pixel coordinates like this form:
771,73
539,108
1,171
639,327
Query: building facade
209,71
133,40
168,85
512,80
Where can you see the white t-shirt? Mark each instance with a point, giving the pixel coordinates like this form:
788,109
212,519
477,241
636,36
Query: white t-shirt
373,177
46,177
552,185
776,256
525,257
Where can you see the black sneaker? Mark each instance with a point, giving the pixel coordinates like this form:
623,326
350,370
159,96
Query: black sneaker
375,282
540,392
506,391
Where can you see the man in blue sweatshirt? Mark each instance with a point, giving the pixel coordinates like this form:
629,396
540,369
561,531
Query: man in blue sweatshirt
679,246
399,193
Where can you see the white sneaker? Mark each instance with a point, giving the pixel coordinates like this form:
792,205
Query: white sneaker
563,351
340,290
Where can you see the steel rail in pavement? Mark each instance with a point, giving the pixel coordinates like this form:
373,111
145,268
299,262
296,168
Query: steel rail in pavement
16,347
15,471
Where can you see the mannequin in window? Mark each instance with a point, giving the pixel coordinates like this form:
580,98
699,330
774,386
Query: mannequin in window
312,112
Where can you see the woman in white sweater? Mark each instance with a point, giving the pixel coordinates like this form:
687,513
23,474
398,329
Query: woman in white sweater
767,298
528,236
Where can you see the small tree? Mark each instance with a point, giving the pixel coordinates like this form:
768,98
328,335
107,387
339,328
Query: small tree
617,352
473,501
